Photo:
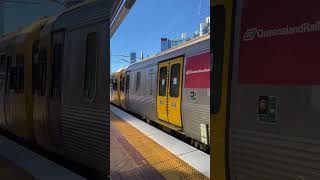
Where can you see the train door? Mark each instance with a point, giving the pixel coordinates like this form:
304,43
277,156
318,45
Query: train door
54,101
220,81
169,91
162,97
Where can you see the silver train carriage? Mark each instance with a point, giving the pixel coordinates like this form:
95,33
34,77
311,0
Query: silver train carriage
171,88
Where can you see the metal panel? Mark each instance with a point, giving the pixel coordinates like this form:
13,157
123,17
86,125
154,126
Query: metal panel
271,156
143,101
195,113
84,137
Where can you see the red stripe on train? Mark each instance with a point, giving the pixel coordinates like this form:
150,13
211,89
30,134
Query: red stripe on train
198,71
282,48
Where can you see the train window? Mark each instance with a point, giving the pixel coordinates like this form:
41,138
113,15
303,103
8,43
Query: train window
163,81
115,84
175,80
122,83
57,68
138,81
19,73
91,66
8,74
3,63
35,66
13,77
217,45
127,82
43,69
39,71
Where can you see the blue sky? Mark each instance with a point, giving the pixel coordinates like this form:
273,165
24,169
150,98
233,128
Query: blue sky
149,20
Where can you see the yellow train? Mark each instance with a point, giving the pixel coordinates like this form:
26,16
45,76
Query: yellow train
53,91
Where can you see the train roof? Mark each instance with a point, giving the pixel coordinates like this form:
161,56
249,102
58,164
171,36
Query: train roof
41,22
81,4
8,36
119,70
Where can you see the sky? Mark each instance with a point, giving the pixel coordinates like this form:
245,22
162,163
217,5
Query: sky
149,20
17,15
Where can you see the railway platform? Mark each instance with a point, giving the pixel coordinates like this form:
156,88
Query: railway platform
17,162
141,151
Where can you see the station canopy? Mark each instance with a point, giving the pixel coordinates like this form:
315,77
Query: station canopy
119,10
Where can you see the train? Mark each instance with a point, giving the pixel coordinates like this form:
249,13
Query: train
265,109
170,89
52,84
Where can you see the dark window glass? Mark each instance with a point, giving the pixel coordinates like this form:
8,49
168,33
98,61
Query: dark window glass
43,70
175,80
8,72
57,70
91,66
122,79
127,82
138,81
35,69
13,77
217,53
2,63
115,84
163,81
19,73
35,49
39,68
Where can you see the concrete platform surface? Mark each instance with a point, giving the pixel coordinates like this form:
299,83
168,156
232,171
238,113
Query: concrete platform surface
17,162
125,160
189,154
10,171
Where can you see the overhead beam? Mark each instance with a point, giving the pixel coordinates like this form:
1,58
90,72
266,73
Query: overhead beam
121,12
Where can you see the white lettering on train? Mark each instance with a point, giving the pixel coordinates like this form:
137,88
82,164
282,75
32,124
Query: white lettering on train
197,71
306,27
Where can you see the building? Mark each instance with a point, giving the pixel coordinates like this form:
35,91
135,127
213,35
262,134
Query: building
133,57
181,40
196,34
165,44
205,27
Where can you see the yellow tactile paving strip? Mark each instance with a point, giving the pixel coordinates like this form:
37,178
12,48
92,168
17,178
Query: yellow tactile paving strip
166,163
